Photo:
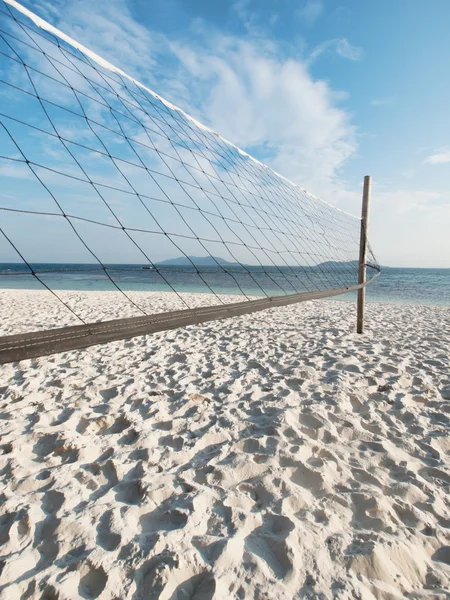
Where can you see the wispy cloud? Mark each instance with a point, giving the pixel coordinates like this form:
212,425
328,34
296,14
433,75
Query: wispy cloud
109,26
441,157
385,101
341,46
346,50
310,12
241,9
246,90
261,101
251,19
15,170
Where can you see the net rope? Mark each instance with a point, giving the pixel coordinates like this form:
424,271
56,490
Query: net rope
100,171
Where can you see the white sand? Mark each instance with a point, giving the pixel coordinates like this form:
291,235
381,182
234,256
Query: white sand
273,456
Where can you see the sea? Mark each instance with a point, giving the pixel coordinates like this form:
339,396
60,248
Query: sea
393,285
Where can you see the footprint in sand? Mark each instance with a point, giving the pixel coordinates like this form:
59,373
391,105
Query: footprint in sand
308,479
52,501
63,417
152,577
363,509
198,587
268,542
139,454
172,441
104,477
177,358
45,540
363,476
258,493
163,521
46,445
171,514
131,489
119,425
52,445
6,448
130,492
220,522
109,393
163,425
92,581
407,515
310,421
433,474
292,435
442,555
210,552
131,437
107,534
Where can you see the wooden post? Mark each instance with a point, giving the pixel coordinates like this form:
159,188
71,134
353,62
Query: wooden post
363,252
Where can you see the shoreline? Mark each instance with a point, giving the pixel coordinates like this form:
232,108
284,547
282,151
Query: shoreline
369,300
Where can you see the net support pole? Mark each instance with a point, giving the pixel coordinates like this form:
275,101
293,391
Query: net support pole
361,303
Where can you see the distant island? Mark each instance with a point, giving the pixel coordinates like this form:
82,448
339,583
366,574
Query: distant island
213,261
200,261
338,264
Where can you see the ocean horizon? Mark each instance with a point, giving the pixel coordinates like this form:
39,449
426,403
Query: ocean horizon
428,286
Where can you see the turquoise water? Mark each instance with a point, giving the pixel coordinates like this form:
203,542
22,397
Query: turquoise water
412,286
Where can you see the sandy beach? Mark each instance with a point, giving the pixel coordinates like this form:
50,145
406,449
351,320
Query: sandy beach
272,456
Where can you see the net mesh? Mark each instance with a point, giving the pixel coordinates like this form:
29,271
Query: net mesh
106,185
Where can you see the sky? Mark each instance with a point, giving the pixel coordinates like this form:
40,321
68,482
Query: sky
322,91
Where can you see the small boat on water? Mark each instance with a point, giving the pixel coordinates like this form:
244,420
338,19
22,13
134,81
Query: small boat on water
147,268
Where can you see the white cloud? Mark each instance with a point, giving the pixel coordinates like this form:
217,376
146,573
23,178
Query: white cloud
311,11
409,228
340,46
256,99
245,90
15,170
439,158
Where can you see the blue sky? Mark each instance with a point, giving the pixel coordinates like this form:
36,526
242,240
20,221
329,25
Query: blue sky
324,92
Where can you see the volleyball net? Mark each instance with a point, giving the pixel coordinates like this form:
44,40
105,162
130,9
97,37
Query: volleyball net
107,186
